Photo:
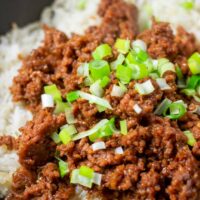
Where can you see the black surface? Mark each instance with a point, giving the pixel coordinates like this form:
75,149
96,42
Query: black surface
20,12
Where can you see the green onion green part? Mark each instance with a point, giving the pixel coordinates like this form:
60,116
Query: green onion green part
60,107
124,74
191,140
86,171
99,69
72,96
102,51
55,138
63,168
65,136
104,81
53,91
123,127
194,63
122,45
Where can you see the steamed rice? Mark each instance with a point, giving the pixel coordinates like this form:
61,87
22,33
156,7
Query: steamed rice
23,40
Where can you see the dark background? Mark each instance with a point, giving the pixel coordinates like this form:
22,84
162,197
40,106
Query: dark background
20,12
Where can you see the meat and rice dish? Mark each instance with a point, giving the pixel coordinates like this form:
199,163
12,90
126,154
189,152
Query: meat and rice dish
116,112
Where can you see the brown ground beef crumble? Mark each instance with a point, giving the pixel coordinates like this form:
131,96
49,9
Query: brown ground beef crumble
157,163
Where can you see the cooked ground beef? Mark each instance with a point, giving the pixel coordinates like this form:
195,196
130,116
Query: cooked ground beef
157,163
10,142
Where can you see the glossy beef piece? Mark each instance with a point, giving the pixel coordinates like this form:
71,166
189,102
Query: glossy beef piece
46,186
57,59
162,43
36,147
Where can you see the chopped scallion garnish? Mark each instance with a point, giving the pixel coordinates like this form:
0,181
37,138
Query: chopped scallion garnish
95,99
102,51
55,138
86,171
72,96
194,63
123,127
60,107
122,45
53,91
191,140
63,168
96,89
65,136
124,73
99,69
144,88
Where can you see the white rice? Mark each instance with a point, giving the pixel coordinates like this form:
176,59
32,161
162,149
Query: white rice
64,15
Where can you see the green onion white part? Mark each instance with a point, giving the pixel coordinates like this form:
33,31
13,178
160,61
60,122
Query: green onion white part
47,101
137,108
145,88
119,61
95,99
117,91
139,44
98,146
91,131
55,137
119,150
83,70
70,116
162,84
162,106
96,89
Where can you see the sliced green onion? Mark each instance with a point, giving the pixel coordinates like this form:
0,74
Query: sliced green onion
164,65
139,71
96,89
162,107
63,168
162,84
187,4
81,4
65,136
72,96
70,129
104,82
69,115
139,44
141,55
97,178
53,91
119,150
196,98
105,131
83,70
117,91
191,140
176,110
55,138
194,63
124,73
188,92
144,88
47,101
86,171
94,99
123,87
119,61
137,108
98,146
179,73
101,108
60,107
91,131
122,45
76,178
99,69
154,75
88,81
193,82
123,127
102,51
